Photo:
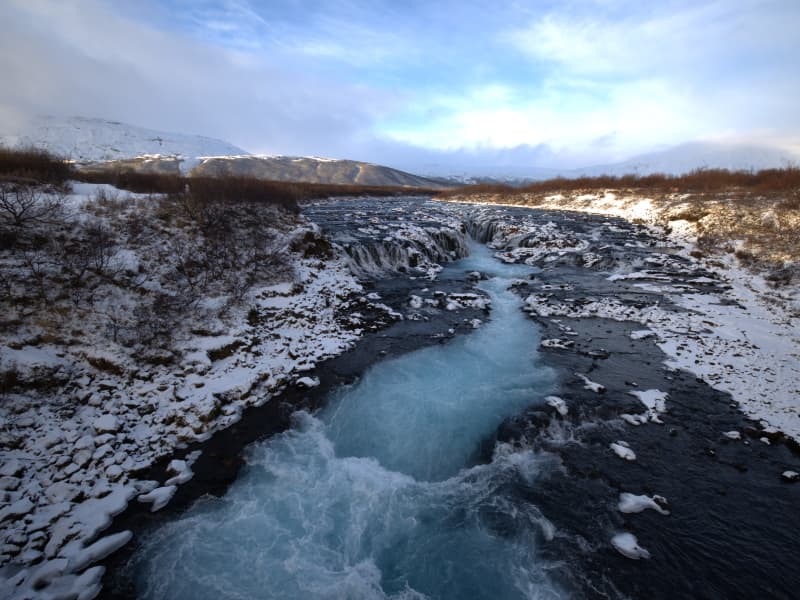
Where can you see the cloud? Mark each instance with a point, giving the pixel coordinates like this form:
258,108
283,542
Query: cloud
420,83
82,58
682,38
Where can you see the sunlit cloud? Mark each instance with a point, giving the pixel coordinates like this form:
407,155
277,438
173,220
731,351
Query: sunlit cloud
580,81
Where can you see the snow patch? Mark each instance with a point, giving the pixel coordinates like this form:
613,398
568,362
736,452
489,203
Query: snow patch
627,545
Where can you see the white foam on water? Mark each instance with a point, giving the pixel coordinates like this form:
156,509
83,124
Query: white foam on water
374,496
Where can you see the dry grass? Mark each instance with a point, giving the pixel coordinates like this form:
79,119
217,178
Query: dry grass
754,215
701,180
37,166
238,189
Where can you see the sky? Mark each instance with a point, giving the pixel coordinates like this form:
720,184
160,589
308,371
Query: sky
422,85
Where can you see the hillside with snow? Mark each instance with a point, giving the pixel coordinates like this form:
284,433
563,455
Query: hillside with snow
684,158
311,170
519,166
85,139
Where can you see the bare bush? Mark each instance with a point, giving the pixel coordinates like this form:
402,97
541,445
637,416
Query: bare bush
37,165
24,204
700,180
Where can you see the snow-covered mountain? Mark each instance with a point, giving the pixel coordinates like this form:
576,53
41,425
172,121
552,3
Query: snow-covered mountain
525,166
85,139
699,155
312,170
99,144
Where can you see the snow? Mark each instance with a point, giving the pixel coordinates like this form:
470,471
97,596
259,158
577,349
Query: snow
635,419
99,550
741,339
105,424
631,503
654,400
732,435
18,509
623,450
641,334
627,545
557,343
181,472
74,470
308,382
591,385
159,497
82,138
558,403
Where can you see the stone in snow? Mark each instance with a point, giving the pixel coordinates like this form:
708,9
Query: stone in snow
20,508
181,473
99,550
627,545
592,385
622,450
791,476
159,497
106,424
308,382
631,503
558,404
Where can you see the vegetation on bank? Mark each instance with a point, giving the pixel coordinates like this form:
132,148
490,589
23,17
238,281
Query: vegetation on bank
753,215
33,166
698,181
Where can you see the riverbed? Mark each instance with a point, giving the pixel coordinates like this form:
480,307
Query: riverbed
494,461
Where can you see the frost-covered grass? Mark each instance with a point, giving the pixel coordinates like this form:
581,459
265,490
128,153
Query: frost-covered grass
759,222
726,324
133,324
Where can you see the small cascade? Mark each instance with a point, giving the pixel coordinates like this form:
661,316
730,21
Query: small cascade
420,249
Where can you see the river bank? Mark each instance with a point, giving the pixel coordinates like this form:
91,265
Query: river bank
589,277
622,432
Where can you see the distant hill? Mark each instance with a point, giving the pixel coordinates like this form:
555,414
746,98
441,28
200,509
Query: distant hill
84,139
97,144
521,164
684,158
310,169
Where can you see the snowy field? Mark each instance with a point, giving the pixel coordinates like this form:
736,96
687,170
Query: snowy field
740,334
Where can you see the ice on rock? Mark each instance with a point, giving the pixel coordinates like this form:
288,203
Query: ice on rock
182,472
634,419
99,550
106,424
627,545
732,435
654,400
791,476
623,450
85,442
18,509
631,503
641,334
159,497
557,343
308,382
11,468
558,403
591,385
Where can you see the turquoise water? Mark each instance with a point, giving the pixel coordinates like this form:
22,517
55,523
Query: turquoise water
378,495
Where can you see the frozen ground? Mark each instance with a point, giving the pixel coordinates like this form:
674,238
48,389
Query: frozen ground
730,327
72,450
70,458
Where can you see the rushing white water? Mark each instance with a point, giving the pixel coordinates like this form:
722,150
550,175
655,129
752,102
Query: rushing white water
378,496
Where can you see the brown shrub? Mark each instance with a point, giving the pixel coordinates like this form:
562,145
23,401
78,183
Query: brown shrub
700,180
37,165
